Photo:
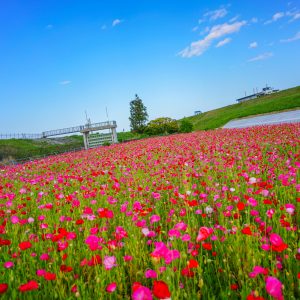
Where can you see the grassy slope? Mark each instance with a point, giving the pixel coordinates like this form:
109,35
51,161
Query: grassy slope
20,149
284,100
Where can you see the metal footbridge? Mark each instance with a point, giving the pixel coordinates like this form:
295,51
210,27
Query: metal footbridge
81,128
91,137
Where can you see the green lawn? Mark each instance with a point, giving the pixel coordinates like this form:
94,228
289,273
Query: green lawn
284,100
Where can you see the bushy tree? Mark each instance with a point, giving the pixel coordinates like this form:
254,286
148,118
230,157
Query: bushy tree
186,126
138,115
161,126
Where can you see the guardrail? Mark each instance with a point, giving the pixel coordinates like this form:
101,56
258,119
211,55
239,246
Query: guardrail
29,136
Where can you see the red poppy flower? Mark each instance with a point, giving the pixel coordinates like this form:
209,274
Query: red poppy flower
247,231
207,246
49,276
25,245
241,206
192,263
186,272
160,290
3,288
279,248
65,268
29,286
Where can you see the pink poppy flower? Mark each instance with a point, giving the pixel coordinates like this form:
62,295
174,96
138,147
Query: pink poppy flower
150,274
154,218
111,287
8,264
142,293
274,287
109,262
276,239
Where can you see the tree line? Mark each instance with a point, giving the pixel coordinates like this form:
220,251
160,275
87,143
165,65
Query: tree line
163,125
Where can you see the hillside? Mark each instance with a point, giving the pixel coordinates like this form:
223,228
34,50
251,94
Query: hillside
283,100
18,149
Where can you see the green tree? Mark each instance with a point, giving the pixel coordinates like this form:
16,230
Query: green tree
138,115
161,126
186,126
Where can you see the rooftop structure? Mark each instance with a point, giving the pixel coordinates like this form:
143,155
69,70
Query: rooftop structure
265,91
197,112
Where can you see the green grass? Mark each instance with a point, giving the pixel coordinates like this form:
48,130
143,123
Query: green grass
16,149
284,100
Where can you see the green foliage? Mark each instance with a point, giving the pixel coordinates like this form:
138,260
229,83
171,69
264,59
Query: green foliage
186,126
284,100
138,115
162,126
22,149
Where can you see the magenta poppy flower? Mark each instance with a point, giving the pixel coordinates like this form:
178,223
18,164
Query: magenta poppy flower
150,274
111,287
142,293
274,287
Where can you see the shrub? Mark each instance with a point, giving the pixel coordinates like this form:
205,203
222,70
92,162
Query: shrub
186,126
162,126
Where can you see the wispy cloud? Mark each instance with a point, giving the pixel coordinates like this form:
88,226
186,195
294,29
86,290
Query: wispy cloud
295,15
254,20
292,39
65,82
262,56
216,14
116,22
49,26
275,17
103,27
223,42
213,15
199,47
253,45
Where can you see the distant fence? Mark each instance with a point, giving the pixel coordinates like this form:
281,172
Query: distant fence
30,136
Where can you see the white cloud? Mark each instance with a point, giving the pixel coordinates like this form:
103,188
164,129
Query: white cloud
65,82
254,20
49,26
199,47
223,42
261,57
253,45
295,17
278,16
195,28
116,22
275,17
292,39
216,14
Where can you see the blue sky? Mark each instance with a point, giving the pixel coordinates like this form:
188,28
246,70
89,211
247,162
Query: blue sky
60,58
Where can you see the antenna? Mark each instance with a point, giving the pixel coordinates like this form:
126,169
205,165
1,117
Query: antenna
106,113
88,120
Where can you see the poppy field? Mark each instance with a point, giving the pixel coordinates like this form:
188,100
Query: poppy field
205,215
